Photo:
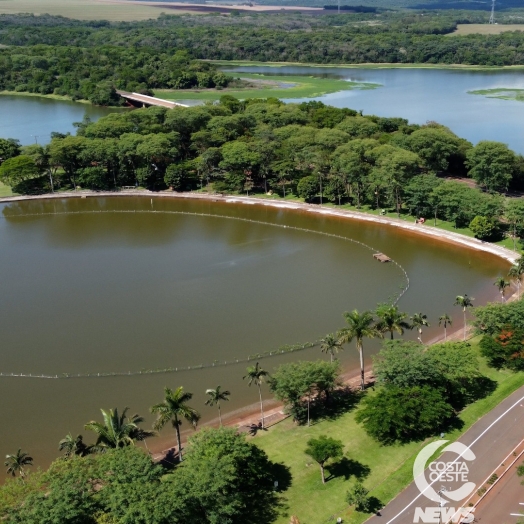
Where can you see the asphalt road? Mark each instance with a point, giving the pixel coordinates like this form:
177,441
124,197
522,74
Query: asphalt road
491,439
505,502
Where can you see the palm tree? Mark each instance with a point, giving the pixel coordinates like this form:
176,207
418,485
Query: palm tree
215,396
418,321
73,446
118,431
360,326
330,344
173,409
464,302
391,320
446,321
501,284
17,462
516,273
256,375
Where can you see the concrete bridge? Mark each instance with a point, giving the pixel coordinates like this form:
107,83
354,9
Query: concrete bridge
138,100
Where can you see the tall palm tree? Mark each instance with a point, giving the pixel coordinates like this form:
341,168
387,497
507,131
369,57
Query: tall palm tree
360,326
117,431
73,446
173,409
501,284
516,273
464,302
256,375
418,321
445,320
17,462
215,396
330,344
391,320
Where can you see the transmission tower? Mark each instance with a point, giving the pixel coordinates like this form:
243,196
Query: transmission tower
492,17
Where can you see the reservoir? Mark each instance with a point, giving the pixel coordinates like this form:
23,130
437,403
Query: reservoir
122,286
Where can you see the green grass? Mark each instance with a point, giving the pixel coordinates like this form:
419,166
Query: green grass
39,95
297,87
391,466
503,93
5,191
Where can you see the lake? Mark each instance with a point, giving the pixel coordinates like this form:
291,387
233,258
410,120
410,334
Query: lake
124,284
32,119
428,94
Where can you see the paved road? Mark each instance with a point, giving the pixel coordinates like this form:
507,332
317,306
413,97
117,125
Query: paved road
491,439
504,502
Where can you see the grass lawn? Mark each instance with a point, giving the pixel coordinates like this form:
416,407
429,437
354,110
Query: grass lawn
390,466
270,86
5,191
83,9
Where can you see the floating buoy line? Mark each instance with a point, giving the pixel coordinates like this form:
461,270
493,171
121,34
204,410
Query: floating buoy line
217,363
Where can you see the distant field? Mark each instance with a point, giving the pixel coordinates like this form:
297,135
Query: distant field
83,9
485,29
270,86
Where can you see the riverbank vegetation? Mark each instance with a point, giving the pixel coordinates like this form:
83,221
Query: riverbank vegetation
318,153
387,36
365,443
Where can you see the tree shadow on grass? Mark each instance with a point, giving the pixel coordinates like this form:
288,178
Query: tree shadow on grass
475,388
341,401
282,474
374,506
347,468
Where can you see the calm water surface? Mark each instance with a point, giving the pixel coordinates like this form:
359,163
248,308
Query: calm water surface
128,291
428,94
33,119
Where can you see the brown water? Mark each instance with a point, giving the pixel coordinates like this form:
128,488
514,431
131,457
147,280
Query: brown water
88,292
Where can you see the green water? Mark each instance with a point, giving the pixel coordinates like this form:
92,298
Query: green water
85,291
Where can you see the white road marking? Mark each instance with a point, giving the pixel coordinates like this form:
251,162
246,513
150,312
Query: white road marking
460,456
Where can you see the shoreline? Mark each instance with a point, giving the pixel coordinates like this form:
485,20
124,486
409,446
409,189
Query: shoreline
249,415
421,229
368,65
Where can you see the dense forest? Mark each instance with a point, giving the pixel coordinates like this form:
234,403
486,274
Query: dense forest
317,152
347,38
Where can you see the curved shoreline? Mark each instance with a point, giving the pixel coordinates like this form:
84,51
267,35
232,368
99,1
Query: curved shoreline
426,229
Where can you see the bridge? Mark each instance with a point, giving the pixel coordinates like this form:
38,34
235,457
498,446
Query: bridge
138,100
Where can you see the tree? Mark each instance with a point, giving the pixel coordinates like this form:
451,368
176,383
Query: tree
491,164
418,321
501,284
358,497
404,414
72,446
482,227
307,187
330,344
9,148
360,326
391,320
18,169
506,349
256,375
117,431
464,302
173,409
215,396
445,320
514,214
17,463
225,479
323,449
516,271
293,382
